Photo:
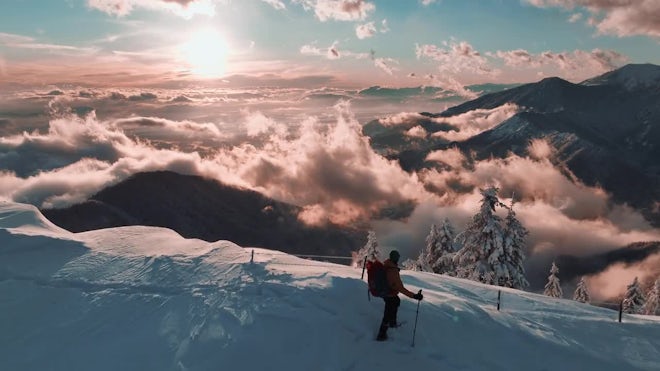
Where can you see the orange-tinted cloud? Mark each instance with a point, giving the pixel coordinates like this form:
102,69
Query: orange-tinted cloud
617,17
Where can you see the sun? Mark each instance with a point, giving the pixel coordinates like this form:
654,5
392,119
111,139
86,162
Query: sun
206,53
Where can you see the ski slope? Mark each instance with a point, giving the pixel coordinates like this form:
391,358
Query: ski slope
144,298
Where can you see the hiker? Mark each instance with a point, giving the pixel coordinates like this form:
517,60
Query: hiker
391,299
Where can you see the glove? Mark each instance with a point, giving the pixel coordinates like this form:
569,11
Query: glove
418,296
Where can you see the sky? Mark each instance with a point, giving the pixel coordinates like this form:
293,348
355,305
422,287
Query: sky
346,43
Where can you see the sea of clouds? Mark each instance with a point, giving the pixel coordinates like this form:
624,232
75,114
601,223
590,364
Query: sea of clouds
60,146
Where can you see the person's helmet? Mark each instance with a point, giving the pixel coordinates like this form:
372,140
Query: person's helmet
394,256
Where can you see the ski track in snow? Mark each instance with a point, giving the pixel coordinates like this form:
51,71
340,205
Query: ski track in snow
142,298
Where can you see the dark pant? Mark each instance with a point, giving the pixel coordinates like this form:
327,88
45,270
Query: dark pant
391,308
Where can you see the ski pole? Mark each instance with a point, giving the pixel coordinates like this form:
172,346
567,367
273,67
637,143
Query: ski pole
416,316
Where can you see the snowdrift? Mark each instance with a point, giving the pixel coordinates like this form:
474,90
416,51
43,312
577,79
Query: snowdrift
144,298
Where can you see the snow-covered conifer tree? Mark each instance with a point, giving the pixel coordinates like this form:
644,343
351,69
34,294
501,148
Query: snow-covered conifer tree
483,243
652,305
514,255
581,292
430,254
553,288
444,264
634,299
370,250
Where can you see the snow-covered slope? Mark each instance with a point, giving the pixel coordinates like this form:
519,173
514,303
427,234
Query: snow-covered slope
631,76
144,298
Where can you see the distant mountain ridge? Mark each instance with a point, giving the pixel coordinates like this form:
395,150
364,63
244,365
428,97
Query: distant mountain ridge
630,76
430,91
605,131
197,207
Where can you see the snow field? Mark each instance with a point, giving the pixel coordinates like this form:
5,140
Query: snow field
143,298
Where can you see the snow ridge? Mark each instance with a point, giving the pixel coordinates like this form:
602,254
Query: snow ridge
631,76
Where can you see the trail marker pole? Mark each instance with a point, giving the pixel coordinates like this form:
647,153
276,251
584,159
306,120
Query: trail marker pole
416,316
620,310
364,266
499,296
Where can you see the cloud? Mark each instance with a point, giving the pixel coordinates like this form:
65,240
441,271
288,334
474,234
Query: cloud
447,82
333,173
256,123
615,17
612,282
143,97
113,7
563,217
277,4
552,231
476,121
460,58
331,52
401,118
518,57
322,163
338,10
3,67
452,157
427,2
540,149
366,30
25,42
575,17
159,129
64,144
184,8
417,132
329,169
456,57
385,64
591,62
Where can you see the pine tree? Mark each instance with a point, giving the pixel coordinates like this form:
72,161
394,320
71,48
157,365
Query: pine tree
444,264
581,292
514,256
370,250
652,305
634,299
553,288
483,243
430,254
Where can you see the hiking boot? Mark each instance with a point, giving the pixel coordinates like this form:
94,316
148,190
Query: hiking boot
382,333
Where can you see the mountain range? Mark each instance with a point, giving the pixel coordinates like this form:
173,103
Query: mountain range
604,131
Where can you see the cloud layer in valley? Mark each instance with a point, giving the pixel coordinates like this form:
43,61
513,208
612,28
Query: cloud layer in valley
317,158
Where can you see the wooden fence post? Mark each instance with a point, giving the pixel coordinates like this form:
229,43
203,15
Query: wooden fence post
499,296
252,257
620,310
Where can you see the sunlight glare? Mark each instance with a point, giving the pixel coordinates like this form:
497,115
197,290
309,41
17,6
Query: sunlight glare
206,52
